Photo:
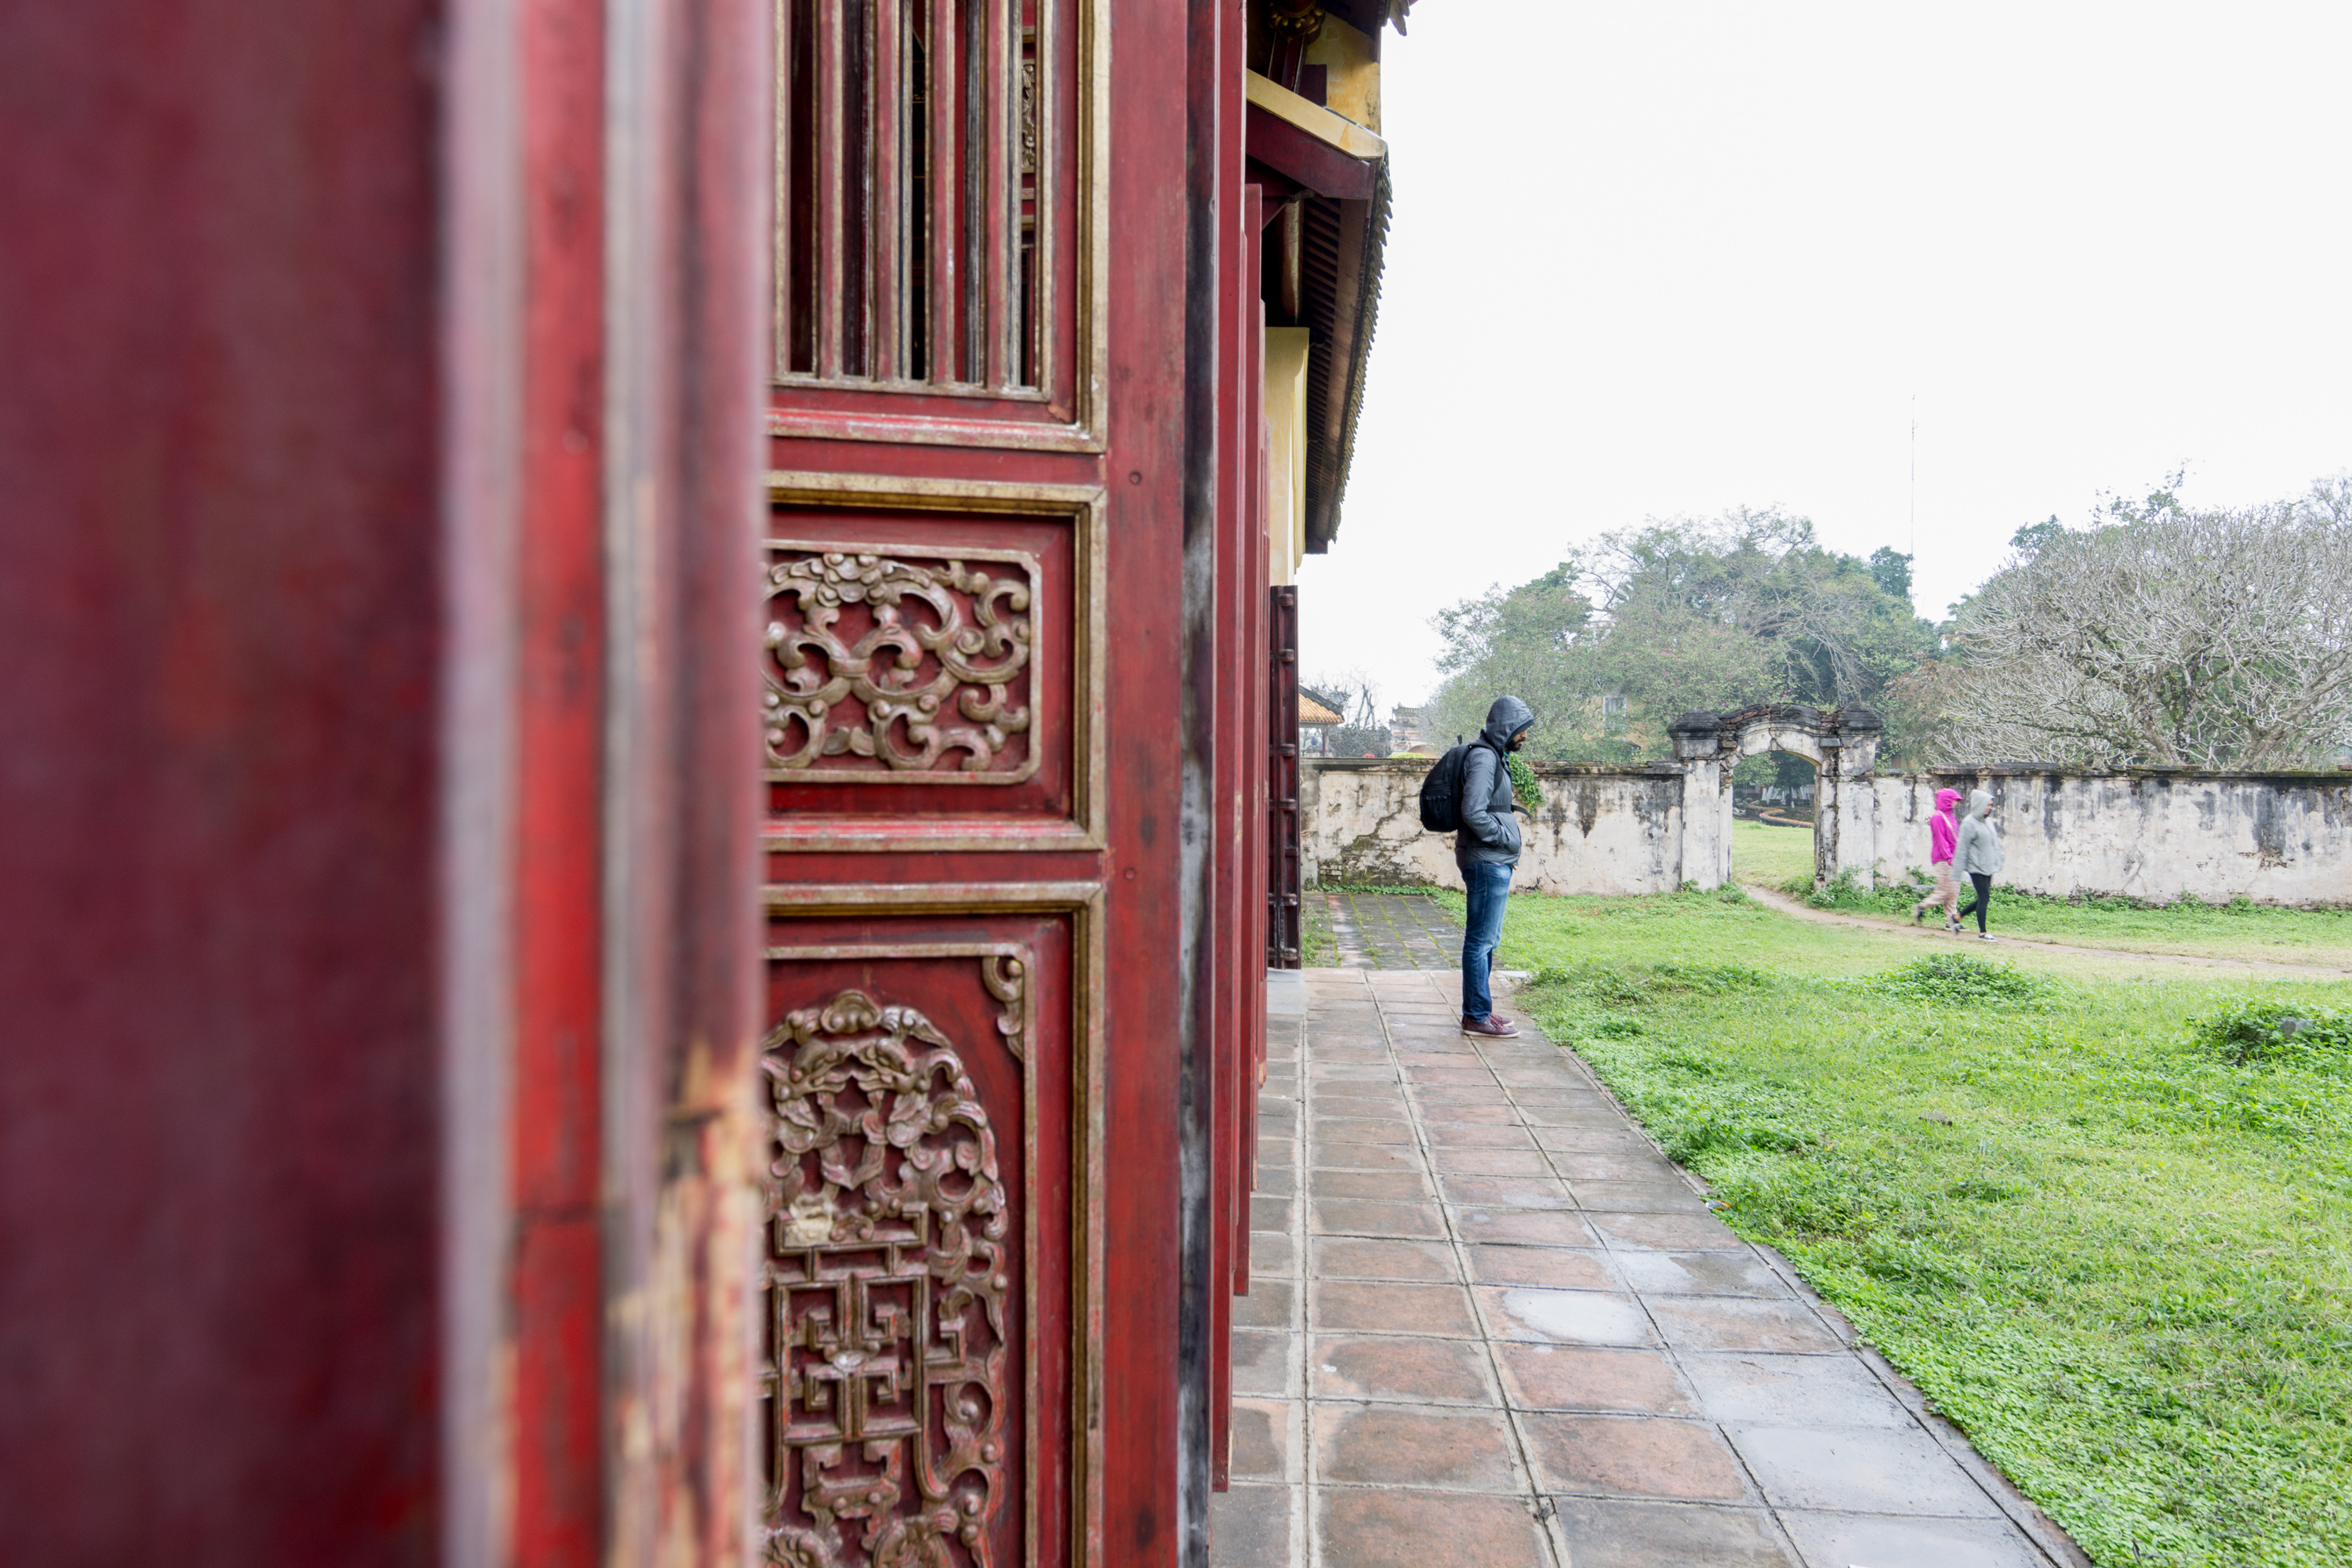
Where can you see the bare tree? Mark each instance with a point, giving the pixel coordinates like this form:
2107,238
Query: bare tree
2164,636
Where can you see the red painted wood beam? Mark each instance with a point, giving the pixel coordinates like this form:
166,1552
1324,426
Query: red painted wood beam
1315,164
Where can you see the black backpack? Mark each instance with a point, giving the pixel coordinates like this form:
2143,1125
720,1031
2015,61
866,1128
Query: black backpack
1441,791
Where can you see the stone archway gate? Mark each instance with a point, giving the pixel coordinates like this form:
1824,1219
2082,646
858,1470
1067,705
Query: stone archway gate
1840,744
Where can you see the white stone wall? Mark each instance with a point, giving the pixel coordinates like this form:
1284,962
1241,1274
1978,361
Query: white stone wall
1599,831
2277,839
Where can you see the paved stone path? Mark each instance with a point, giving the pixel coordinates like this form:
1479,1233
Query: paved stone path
1494,1327
1393,931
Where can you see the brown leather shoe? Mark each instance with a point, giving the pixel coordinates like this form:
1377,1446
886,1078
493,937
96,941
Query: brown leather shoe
1489,1027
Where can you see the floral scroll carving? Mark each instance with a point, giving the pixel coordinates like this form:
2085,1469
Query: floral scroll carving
896,669
889,1289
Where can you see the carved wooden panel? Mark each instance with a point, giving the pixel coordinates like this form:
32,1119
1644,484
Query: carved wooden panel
900,670
927,670
889,1283
928,1084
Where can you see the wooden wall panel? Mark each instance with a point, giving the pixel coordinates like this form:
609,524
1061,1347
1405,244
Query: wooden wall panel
932,1079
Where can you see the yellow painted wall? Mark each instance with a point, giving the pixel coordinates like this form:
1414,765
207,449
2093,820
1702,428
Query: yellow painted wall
1286,418
1353,72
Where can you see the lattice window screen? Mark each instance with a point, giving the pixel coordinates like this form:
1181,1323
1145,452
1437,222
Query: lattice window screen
908,184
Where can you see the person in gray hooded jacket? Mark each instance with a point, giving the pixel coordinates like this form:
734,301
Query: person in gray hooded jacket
1486,850
1977,855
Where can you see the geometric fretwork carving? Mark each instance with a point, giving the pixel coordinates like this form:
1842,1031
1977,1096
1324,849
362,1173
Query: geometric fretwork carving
885,1369
893,669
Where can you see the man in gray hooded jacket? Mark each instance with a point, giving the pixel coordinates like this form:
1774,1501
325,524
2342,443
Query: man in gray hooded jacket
1977,855
1486,848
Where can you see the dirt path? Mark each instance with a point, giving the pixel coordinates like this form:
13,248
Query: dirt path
1789,906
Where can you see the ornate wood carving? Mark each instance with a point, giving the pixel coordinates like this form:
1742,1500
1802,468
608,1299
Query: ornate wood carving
871,661
889,1292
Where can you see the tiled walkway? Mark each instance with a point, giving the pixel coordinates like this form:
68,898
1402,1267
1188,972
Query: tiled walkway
1393,931
1494,1327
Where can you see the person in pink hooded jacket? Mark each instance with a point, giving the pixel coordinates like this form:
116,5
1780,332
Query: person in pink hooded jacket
1943,834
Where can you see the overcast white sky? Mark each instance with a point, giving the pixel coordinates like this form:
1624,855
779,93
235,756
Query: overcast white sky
1657,259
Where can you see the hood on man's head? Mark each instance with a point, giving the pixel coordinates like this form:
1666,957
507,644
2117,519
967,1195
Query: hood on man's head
1980,802
1947,798
1506,719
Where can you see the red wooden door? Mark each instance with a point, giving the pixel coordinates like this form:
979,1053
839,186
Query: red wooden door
977,833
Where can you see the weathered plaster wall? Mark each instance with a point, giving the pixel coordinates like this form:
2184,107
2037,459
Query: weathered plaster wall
2283,839
1599,830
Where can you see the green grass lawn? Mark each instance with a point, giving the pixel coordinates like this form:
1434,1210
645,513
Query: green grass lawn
2123,1264
1782,857
1773,855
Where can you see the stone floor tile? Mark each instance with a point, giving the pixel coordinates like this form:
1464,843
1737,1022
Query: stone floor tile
1474,1137
1839,1541
1733,1323
1592,1111
1369,1217
1271,1253
1260,1447
1614,1167
1249,1526
1390,1307
1505,1192
1449,1073
1460,1094
1261,1363
1422,1530
1364,1157
1620,1139
1490,1162
1859,1469
1469,1116
1400,1368
1402,1186
1267,1305
1634,1455
1792,1391
1564,1317
1588,1377
1372,1054
1540,1075
1413,1446
1536,1227
1273,1152
1344,1099
1320,1071
1363,1257
1563,1083
1269,1213
1663,1232
1545,1268
1273,1181
1726,1273
1610,1533
1361,1130
1640,1197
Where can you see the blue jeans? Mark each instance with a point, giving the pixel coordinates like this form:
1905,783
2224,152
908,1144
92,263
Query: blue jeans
1490,887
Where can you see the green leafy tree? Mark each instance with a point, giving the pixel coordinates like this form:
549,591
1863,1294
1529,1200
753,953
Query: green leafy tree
1531,641
1679,615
